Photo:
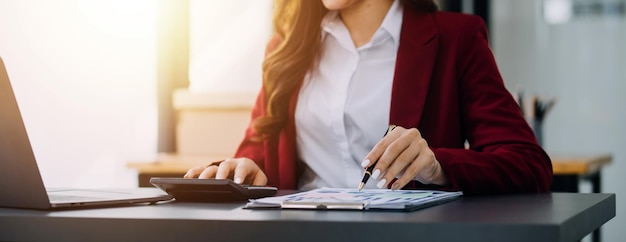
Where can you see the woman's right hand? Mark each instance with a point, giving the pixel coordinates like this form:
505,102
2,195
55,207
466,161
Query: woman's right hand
240,170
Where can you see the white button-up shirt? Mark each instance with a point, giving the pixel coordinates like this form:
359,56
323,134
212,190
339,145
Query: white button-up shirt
343,105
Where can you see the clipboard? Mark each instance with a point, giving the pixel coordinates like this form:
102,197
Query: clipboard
351,199
322,206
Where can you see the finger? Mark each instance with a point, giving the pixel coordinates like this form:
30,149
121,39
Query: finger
243,173
387,159
423,169
208,172
406,178
194,172
428,168
413,169
225,170
402,162
380,147
399,145
260,179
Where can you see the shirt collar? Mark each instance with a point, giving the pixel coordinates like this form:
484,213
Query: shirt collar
393,21
330,22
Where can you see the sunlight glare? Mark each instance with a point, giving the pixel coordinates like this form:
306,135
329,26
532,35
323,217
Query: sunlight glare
120,17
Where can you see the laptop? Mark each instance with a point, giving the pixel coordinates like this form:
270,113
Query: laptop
21,185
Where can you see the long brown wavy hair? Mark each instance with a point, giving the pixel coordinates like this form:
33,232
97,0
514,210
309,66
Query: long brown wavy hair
297,23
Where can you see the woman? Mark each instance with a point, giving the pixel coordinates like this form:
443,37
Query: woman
339,72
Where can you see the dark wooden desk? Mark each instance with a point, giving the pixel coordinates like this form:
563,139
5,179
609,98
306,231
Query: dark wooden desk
568,170
527,217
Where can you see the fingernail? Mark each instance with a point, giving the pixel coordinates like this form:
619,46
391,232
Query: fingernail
238,180
376,174
365,163
381,183
395,186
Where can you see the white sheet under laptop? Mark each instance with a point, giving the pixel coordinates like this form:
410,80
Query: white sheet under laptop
21,185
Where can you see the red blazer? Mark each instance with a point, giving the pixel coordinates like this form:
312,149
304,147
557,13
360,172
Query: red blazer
448,86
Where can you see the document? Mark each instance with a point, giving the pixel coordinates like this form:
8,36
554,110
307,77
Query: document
352,199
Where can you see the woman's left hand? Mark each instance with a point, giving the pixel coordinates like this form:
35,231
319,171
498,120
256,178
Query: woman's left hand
403,153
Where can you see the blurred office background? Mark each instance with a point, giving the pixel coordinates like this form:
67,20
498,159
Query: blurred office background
94,78
574,51
84,77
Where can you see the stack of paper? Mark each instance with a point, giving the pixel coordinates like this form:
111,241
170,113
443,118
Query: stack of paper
337,198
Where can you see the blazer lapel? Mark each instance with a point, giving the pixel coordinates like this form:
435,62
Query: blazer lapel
414,66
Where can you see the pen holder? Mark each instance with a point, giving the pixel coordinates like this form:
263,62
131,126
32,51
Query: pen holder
534,109
537,127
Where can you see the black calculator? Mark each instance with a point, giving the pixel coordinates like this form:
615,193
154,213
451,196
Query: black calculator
210,190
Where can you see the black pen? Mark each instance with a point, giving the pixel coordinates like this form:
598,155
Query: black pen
368,171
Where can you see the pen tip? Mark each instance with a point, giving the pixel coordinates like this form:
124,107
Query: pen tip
361,186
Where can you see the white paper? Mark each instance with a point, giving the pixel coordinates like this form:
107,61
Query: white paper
370,198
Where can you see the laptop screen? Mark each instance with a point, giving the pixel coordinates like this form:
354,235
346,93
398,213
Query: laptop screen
20,181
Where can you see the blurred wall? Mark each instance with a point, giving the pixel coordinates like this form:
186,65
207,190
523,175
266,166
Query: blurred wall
227,45
84,73
582,62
